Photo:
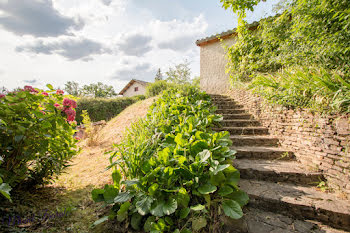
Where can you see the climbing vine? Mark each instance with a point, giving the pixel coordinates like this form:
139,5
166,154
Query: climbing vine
310,37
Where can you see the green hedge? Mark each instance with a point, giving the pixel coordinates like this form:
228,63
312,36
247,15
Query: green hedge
103,108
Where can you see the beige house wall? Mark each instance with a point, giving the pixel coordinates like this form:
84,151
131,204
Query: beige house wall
131,90
213,62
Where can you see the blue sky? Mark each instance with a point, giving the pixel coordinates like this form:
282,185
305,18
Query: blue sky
112,41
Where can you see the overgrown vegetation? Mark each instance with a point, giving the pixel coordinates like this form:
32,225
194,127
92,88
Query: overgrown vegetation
171,172
158,87
300,58
36,136
103,108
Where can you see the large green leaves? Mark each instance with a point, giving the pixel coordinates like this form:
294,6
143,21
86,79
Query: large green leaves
207,188
143,205
232,209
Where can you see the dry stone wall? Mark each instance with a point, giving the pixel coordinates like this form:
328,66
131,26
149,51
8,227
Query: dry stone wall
320,142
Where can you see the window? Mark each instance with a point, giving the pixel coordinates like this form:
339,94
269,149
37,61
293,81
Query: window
136,88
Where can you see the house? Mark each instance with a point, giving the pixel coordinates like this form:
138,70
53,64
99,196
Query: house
134,87
214,79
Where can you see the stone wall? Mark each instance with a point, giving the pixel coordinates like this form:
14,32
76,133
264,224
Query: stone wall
320,142
213,79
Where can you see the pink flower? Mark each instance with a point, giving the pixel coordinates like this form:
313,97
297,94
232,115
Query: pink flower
56,105
2,96
59,92
45,93
69,103
70,114
30,89
42,112
77,138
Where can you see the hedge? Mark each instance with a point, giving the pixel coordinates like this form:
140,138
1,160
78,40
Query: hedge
104,108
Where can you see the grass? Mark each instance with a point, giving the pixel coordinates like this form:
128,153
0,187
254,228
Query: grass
70,193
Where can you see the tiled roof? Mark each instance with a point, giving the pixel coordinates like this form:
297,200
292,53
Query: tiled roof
223,35
132,81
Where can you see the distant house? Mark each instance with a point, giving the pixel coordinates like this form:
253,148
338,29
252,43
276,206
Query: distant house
134,87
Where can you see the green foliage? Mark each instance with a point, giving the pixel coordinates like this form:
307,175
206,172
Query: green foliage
239,6
72,88
98,90
103,108
157,87
180,74
305,87
36,139
172,170
95,90
314,34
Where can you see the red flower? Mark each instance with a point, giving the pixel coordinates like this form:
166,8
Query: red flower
45,93
59,92
30,89
2,96
69,103
70,114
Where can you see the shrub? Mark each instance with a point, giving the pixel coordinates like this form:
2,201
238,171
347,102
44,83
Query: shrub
104,108
172,171
311,88
36,135
313,35
158,87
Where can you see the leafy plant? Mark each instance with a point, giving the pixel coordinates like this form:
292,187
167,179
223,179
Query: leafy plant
157,87
36,135
104,108
172,173
309,36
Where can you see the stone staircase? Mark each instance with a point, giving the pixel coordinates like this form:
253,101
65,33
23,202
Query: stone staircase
283,193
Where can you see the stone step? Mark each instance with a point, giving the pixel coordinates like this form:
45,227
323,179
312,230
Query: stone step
230,111
228,105
299,202
239,123
277,171
254,140
260,221
244,130
259,152
237,116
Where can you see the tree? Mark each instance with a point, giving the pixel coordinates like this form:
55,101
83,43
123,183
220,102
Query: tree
99,90
159,75
181,74
72,88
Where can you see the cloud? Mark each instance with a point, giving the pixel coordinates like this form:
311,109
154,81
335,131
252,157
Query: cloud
36,17
71,48
178,35
107,2
135,44
32,81
142,71
181,43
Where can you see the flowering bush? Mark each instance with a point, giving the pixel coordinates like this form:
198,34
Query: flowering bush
36,135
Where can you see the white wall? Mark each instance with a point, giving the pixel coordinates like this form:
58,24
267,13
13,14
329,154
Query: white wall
213,78
131,90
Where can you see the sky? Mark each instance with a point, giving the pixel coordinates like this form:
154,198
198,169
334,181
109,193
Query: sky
109,41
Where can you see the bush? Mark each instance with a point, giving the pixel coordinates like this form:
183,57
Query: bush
305,87
36,135
311,36
103,108
158,87
171,171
